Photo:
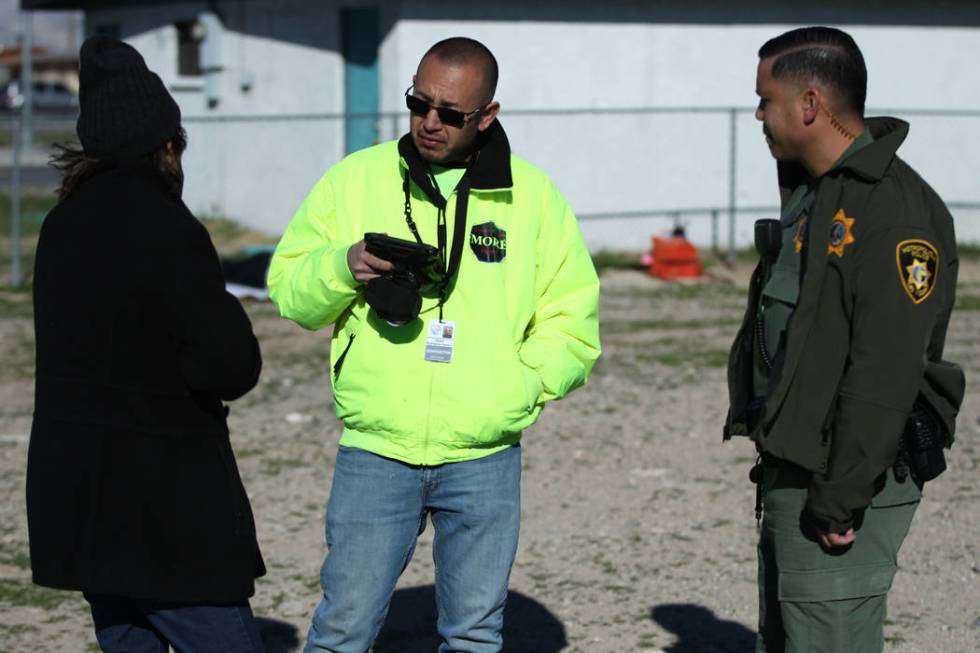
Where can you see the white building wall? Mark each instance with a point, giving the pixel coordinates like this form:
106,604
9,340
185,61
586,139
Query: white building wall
278,58
627,162
258,172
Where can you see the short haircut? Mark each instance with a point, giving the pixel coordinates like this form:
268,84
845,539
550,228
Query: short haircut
462,51
821,54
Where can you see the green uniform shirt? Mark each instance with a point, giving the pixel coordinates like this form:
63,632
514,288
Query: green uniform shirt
781,288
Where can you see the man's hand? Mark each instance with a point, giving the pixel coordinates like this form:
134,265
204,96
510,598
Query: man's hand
833,540
364,265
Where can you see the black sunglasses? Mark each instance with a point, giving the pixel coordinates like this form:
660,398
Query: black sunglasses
447,116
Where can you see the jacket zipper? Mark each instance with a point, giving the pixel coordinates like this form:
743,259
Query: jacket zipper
432,373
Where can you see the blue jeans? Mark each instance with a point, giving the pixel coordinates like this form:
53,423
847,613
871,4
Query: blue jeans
124,625
377,510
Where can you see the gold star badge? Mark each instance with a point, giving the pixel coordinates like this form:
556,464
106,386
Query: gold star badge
918,274
840,234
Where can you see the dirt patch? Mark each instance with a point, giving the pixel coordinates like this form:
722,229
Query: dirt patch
637,532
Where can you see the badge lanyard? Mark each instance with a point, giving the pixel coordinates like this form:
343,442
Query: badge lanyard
451,266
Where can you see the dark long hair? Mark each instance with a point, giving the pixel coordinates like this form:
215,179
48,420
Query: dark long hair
76,166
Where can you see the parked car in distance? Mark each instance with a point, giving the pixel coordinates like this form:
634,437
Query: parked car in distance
47,96
9,93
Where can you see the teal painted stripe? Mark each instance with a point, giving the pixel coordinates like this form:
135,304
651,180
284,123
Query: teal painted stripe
360,38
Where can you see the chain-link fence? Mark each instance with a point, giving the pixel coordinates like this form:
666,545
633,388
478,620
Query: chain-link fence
27,186
721,214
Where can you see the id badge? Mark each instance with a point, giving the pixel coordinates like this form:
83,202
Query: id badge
439,341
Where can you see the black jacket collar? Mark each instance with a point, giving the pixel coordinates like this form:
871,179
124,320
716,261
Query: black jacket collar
868,163
872,160
115,172
489,169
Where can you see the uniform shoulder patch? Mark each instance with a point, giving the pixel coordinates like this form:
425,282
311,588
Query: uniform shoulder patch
918,268
840,234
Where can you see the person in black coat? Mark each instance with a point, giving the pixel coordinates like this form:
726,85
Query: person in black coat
133,494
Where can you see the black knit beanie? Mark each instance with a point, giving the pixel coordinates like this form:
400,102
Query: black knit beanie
126,111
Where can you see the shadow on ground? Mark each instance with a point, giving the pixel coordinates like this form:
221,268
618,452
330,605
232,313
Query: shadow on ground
698,630
278,636
411,625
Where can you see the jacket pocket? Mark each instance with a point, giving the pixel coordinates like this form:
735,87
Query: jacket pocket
343,356
372,374
476,408
519,392
532,385
783,285
835,584
895,493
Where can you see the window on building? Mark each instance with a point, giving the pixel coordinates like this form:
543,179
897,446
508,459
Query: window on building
188,48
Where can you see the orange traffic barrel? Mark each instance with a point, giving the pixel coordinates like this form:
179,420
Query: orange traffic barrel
674,257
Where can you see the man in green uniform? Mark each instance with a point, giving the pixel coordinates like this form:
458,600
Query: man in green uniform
844,328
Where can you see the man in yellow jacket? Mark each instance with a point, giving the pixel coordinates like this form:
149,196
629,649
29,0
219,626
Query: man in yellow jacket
441,359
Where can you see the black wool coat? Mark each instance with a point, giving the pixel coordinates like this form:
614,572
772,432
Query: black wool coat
132,487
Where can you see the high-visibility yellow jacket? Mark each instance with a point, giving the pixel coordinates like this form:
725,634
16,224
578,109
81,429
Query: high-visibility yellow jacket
526,316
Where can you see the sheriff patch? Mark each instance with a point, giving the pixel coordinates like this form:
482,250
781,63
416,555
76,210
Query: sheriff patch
840,234
918,268
488,242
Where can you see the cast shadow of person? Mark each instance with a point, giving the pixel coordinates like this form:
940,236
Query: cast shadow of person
278,636
698,630
529,627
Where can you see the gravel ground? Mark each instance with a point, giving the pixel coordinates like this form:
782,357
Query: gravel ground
638,532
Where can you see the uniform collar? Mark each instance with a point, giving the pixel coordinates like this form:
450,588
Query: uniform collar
868,163
872,160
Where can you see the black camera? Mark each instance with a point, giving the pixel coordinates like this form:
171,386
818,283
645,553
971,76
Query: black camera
396,296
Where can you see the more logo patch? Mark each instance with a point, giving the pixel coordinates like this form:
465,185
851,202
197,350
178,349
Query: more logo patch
840,234
918,268
488,242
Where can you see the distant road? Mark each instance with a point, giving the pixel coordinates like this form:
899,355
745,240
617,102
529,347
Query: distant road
35,174
34,179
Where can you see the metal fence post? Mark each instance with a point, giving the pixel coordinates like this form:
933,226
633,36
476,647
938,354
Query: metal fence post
27,78
714,232
732,180
15,273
